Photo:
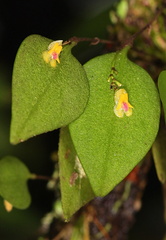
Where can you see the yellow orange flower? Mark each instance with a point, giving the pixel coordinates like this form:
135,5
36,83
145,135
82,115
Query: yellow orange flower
122,106
51,56
8,206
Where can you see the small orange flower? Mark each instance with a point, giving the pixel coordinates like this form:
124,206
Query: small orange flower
122,106
51,56
8,206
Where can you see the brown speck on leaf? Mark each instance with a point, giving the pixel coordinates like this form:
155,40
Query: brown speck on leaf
73,178
67,153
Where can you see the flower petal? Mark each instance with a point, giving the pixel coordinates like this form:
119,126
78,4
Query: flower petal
118,112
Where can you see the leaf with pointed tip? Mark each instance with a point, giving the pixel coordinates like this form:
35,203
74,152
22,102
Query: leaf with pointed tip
13,182
109,147
76,190
45,98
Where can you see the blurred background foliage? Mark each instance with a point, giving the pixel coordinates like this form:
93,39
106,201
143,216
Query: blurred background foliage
62,20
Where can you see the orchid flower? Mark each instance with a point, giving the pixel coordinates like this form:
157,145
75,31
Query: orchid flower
122,105
51,56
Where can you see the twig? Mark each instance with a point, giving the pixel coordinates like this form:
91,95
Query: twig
131,39
65,233
93,41
128,42
40,177
101,228
91,214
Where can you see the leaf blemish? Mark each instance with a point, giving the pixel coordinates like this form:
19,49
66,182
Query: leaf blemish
78,167
67,154
73,178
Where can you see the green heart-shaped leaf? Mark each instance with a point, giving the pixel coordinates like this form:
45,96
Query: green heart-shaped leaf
13,182
109,146
44,97
75,187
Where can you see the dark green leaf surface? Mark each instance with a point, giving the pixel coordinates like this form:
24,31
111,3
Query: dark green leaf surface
162,89
159,155
13,182
109,147
45,98
75,187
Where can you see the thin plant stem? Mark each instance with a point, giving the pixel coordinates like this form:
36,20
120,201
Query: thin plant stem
131,39
127,42
41,177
